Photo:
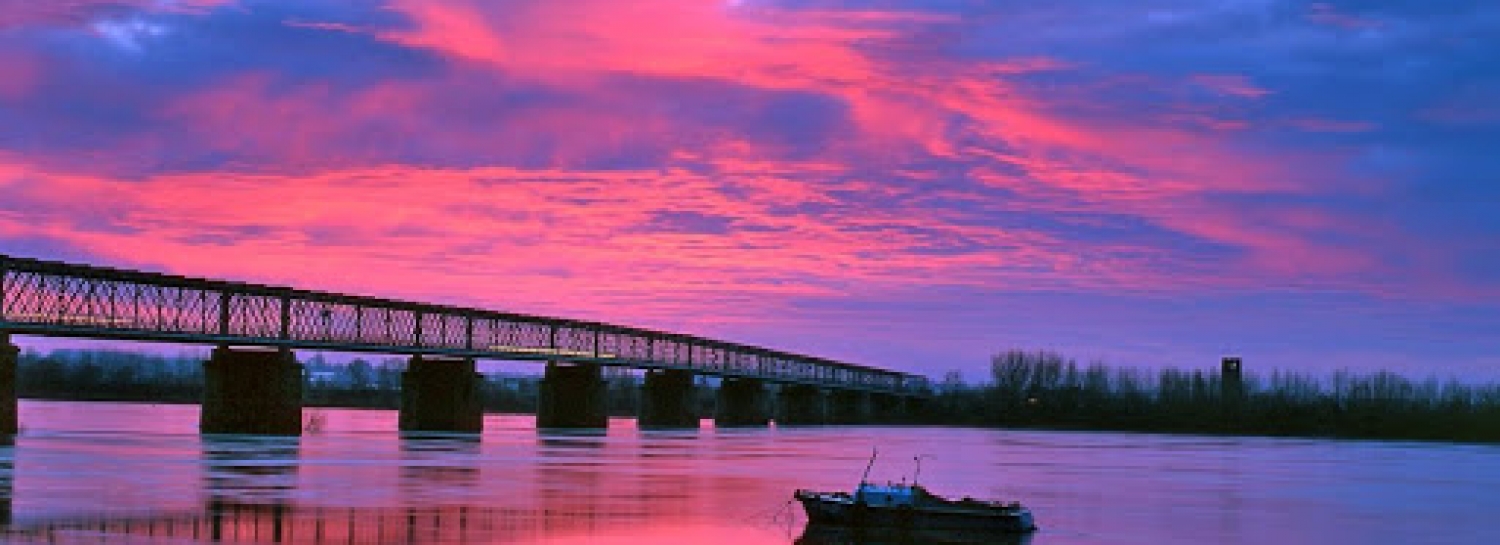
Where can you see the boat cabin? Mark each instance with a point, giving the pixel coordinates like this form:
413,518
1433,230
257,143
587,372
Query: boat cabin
890,495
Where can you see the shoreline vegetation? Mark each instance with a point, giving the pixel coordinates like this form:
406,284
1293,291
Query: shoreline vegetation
1042,390
1047,390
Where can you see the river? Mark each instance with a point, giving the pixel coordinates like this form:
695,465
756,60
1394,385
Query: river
140,473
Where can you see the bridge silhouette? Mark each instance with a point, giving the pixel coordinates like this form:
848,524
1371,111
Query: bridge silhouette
253,383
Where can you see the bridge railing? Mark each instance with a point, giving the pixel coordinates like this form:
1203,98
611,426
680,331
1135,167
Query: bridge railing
62,299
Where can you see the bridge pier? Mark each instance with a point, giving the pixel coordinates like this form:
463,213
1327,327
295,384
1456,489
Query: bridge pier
441,394
668,400
801,405
10,421
741,402
848,407
252,391
572,395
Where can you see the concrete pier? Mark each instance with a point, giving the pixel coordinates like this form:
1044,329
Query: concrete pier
801,405
741,402
848,407
10,422
441,394
572,395
252,391
668,400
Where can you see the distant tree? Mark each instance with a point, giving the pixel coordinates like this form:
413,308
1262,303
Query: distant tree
360,374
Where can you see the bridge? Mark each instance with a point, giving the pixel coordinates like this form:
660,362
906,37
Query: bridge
253,383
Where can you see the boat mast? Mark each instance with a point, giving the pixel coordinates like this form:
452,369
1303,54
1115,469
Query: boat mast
914,476
874,451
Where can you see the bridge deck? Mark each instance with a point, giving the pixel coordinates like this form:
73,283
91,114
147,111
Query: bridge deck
70,300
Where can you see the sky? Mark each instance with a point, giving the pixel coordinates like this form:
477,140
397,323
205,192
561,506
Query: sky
911,184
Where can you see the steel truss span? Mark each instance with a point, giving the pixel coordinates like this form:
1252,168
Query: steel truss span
69,300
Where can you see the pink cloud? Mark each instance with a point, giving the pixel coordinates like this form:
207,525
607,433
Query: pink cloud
19,75
1468,105
331,200
1326,14
1317,124
323,25
439,233
1230,84
81,13
522,239
678,38
574,43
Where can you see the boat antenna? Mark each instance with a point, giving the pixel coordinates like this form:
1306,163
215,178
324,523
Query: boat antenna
874,451
918,458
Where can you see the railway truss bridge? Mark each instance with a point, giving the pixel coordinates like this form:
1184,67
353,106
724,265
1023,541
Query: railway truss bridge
253,382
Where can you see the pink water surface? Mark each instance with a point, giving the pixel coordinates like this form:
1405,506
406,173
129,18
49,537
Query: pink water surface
111,472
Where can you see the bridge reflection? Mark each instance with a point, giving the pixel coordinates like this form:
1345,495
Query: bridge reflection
441,463
7,477
251,494
250,469
289,523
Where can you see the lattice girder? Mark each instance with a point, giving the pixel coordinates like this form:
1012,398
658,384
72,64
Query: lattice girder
48,298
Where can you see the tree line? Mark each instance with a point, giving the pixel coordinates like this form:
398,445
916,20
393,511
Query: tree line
1024,389
111,375
1046,389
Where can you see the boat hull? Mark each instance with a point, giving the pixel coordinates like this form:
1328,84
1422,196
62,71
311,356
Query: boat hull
824,534
841,511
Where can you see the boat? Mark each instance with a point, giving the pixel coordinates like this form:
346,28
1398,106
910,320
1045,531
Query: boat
912,507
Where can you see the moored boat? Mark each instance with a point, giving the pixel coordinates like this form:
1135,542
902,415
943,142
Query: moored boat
912,506
828,534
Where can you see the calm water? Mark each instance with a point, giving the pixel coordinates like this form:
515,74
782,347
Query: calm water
123,473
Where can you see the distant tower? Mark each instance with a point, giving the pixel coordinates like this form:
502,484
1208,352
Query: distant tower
1232,388
1231,366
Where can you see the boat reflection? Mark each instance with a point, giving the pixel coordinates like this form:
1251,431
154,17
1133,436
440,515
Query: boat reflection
823,534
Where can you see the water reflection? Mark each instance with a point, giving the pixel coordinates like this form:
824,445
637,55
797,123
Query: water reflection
122,473
7,477
285,523
251,470
250,495
567,479
570,441
435,464
248,481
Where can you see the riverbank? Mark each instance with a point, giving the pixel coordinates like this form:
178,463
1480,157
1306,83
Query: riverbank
1037,390
1047,390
